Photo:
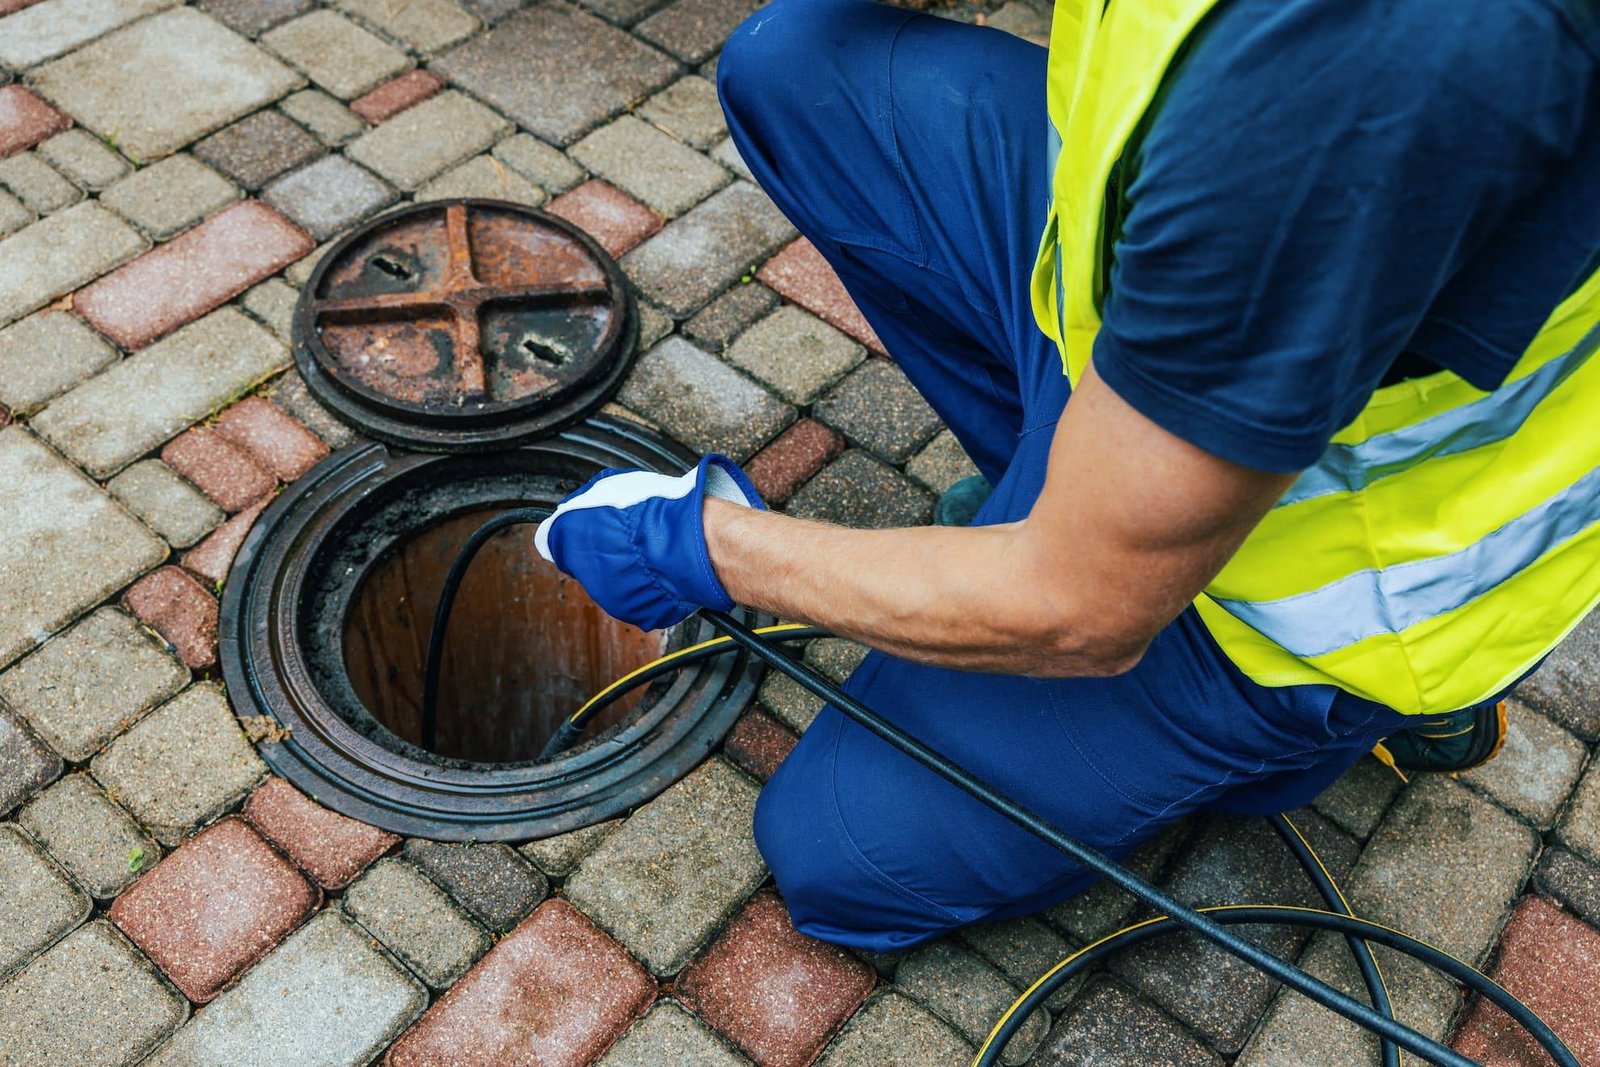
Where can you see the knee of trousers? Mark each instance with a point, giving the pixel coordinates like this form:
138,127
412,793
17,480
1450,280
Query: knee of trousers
760,61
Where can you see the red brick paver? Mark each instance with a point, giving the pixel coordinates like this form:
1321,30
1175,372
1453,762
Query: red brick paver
556,992
778,994
25,120
757,744
612,217
193,273
800,275
173,604
211,558
9,6
221,469
789,462
272,436
1551,961
214,907
332,848
395,95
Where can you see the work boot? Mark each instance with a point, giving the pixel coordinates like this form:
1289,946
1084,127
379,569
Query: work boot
1453,742
959,504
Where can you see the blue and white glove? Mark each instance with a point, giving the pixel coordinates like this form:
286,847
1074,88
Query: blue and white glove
637,542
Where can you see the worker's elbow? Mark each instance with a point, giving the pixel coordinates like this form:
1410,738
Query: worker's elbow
1080,651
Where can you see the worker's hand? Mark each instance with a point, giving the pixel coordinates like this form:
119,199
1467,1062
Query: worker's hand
636,542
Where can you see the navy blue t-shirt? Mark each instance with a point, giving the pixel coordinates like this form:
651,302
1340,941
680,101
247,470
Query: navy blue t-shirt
1330,194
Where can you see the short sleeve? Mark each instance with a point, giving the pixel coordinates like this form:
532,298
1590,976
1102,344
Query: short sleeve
1312,177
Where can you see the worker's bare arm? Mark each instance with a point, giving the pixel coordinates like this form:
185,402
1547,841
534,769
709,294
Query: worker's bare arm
1132,523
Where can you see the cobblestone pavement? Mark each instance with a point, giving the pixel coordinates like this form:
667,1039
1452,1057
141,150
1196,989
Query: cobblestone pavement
167,176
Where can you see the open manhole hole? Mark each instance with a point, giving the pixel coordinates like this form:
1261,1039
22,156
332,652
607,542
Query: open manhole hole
327,612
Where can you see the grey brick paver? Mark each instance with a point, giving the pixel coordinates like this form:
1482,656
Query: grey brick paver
1537,767
1564,686
1110,1026
484,176
490,881
44,31
968,993
42,188
879,409
694,257
259,148
424,140
27,764
166,503
84,158
14,214
1023,950
893,1028
1580,825
209,76
729,315
97,842
556,70
693,30
857,489
88,684
329,196
666,881
793,704
666,175
539,163
941,463
670,1037
181,765
252,17
557,856
66,544
415,920
326,996
689,110
1358,799
273,303
323,115
702,401
426,25
795,353
39,902
289,393
335,53
1103,908
170,195
92,999
45,354
179,380
60,253
1573,881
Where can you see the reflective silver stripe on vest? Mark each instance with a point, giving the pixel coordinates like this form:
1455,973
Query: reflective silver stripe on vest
1390,600
1492,418
1053,154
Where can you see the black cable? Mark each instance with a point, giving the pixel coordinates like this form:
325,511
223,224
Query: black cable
1240,947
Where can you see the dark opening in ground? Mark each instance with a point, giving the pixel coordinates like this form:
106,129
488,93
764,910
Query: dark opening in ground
525,648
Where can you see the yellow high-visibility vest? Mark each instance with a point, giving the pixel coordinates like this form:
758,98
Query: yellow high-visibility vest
1448,538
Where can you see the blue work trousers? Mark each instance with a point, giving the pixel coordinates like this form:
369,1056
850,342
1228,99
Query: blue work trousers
911,150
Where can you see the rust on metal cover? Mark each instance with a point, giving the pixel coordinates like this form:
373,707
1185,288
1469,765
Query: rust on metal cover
464,324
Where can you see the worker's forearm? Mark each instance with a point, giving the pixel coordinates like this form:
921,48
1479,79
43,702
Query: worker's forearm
954,597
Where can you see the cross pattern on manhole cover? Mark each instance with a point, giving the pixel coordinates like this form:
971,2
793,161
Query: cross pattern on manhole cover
464,308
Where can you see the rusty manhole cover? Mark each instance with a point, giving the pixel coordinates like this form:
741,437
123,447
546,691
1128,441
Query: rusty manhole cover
464,325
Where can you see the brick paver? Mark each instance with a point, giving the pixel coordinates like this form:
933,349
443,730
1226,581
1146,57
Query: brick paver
1537,767
778,994
44,355
335,53
181,765
60,253
326,117
1551,962
800,274
1023,950
651,165
893,1028
702,401
757,744
556,991
425,25
328,995
93,839
729,315
941,463
187,277
556,71
39,901
1580,825
221,469
84,158
41,187
329,196
539,163
1571,880
689,110
169,196
485,177
211,559
166,503
697,256
93,998
395,95
214,907
66,544
415,920
180,380
1563,687
967,992
609,215
793,459
799,356
857,489
491,881
258,148
90,683
253,17
557,856
670,1035
332,848
794,705
1110,1026
421,141
666,880
27,764
171,602
693,30
209,76
58,26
